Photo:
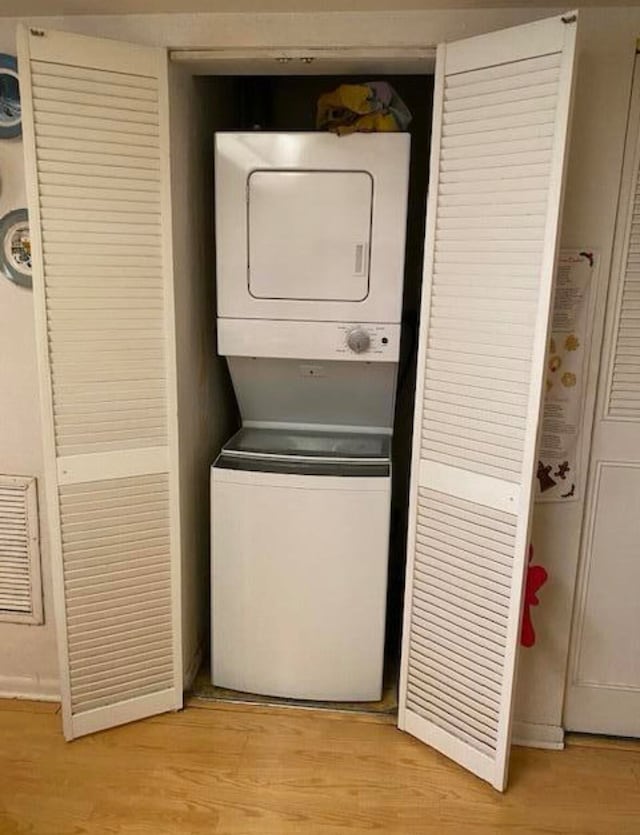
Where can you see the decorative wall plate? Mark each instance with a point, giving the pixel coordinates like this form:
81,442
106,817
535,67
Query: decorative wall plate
15,247
10,111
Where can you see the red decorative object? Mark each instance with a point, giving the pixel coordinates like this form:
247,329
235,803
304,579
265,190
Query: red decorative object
536,578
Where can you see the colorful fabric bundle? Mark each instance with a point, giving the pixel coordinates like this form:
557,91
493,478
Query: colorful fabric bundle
371,107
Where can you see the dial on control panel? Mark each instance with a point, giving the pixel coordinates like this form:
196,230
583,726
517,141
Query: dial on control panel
358,340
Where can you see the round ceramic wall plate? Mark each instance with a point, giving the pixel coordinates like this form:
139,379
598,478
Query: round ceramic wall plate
15,247
10,112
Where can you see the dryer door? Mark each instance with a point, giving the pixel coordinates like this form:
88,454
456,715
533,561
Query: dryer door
309,234
310,227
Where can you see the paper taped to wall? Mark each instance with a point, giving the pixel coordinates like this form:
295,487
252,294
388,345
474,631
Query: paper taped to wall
560,446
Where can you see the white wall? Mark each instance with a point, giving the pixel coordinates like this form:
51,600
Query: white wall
179,31
606,51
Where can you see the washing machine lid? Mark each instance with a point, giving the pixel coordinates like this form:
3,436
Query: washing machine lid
309,453
309,234
356,447
302,452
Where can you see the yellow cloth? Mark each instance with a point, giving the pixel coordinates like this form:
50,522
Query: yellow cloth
351,108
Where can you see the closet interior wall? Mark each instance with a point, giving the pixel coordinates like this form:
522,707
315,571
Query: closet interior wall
207,413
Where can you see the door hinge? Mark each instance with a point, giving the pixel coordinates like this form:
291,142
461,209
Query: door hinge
37,33
569,18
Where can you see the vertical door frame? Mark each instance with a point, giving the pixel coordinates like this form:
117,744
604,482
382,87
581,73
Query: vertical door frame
164,105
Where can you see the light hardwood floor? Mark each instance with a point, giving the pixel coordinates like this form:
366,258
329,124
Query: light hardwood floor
227,770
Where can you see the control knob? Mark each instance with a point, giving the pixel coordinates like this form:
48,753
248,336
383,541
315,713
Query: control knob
358,340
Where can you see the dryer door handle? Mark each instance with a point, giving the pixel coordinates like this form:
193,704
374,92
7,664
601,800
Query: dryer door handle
360,259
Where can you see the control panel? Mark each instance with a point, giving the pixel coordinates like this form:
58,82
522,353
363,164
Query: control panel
353,341
365,339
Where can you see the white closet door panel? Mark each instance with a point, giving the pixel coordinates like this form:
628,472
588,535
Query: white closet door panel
99,597
500,124
603,684
95,116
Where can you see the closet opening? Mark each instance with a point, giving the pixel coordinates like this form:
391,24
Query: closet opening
287,103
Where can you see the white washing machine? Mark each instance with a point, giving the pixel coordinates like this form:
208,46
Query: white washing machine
310,232
300,551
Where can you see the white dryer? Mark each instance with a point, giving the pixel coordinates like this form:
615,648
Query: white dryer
310,231
310,226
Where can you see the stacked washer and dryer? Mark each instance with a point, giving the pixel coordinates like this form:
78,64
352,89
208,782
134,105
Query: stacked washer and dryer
310,238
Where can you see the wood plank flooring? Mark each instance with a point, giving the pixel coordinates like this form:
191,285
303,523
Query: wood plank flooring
236,770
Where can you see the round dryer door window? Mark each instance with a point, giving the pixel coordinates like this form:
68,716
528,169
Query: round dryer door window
15,243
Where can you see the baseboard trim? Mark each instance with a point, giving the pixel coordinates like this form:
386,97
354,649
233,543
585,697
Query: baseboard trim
534,735
32,688
191,669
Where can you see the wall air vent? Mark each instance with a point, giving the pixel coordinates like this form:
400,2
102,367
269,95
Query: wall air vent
20,578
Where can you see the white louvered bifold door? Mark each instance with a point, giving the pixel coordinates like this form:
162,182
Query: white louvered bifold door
95,116
501,113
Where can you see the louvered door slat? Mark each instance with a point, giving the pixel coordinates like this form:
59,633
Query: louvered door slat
95,126
500,125
74,81
623,400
